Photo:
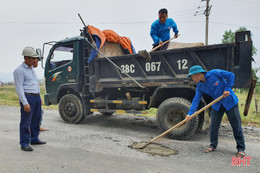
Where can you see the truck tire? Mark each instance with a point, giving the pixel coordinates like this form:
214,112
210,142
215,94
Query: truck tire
171,112
71,109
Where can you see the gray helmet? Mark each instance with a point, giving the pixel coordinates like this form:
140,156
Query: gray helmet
30,52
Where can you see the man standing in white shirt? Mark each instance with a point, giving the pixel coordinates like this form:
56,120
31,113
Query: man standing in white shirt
28,91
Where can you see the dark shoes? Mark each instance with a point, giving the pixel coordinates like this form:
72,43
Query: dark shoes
26,148
39,142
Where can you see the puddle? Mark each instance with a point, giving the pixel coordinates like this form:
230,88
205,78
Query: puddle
154,149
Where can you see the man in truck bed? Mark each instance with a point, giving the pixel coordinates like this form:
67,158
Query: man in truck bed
160,29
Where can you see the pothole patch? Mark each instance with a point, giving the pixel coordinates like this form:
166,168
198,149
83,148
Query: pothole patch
154,149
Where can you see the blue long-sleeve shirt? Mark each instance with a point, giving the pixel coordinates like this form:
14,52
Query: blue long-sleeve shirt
161,31
25,81
216,82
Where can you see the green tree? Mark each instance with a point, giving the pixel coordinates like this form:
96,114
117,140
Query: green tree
229,37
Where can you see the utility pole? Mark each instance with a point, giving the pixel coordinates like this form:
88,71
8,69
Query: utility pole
207,11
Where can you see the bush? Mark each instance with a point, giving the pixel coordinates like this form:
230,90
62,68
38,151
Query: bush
257,88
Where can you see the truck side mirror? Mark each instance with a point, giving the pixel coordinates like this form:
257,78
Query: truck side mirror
38,51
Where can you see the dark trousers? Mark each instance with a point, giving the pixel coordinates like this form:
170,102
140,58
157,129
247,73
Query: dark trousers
235,121
29,124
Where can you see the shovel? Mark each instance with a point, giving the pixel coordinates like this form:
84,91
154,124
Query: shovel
147,55
144,144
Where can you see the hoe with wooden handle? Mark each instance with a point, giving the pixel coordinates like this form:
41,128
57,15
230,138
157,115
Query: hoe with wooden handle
147,55
144,144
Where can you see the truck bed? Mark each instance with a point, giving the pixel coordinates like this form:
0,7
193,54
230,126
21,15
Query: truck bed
172,66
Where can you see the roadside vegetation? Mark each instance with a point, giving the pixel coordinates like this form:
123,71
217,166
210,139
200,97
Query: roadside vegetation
9,97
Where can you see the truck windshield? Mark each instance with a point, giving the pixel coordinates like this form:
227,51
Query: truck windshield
61,55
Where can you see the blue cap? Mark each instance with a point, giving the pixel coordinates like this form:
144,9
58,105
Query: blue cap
196,69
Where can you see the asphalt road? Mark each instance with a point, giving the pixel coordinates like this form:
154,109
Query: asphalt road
100,144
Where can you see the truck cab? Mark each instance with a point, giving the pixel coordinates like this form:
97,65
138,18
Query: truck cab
62,69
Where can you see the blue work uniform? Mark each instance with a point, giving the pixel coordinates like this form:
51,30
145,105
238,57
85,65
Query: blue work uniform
216,82
28,91
161,31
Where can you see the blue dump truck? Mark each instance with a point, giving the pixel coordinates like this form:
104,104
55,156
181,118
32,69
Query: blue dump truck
134,84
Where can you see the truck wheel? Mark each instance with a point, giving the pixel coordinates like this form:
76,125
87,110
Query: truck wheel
171,112
71,109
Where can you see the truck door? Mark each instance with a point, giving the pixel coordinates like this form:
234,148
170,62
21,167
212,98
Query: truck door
59,69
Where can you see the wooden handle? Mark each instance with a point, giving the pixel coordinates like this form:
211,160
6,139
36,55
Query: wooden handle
92,40
183,121
161,44
207,106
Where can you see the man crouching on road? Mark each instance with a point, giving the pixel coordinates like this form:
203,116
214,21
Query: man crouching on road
28,91
216,83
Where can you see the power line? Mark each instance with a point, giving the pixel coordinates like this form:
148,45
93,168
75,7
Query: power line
189,21
185,10
124,23
248,1
221,23
24,22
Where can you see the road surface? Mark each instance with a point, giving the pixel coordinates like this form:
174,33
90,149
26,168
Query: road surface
100,145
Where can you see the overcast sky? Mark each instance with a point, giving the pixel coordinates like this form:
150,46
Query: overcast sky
34,22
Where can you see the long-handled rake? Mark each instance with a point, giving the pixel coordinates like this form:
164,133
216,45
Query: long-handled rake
144,144
147,55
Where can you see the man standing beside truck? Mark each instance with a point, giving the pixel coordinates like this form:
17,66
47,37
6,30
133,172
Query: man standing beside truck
35,65
216,83
28,91
160,29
